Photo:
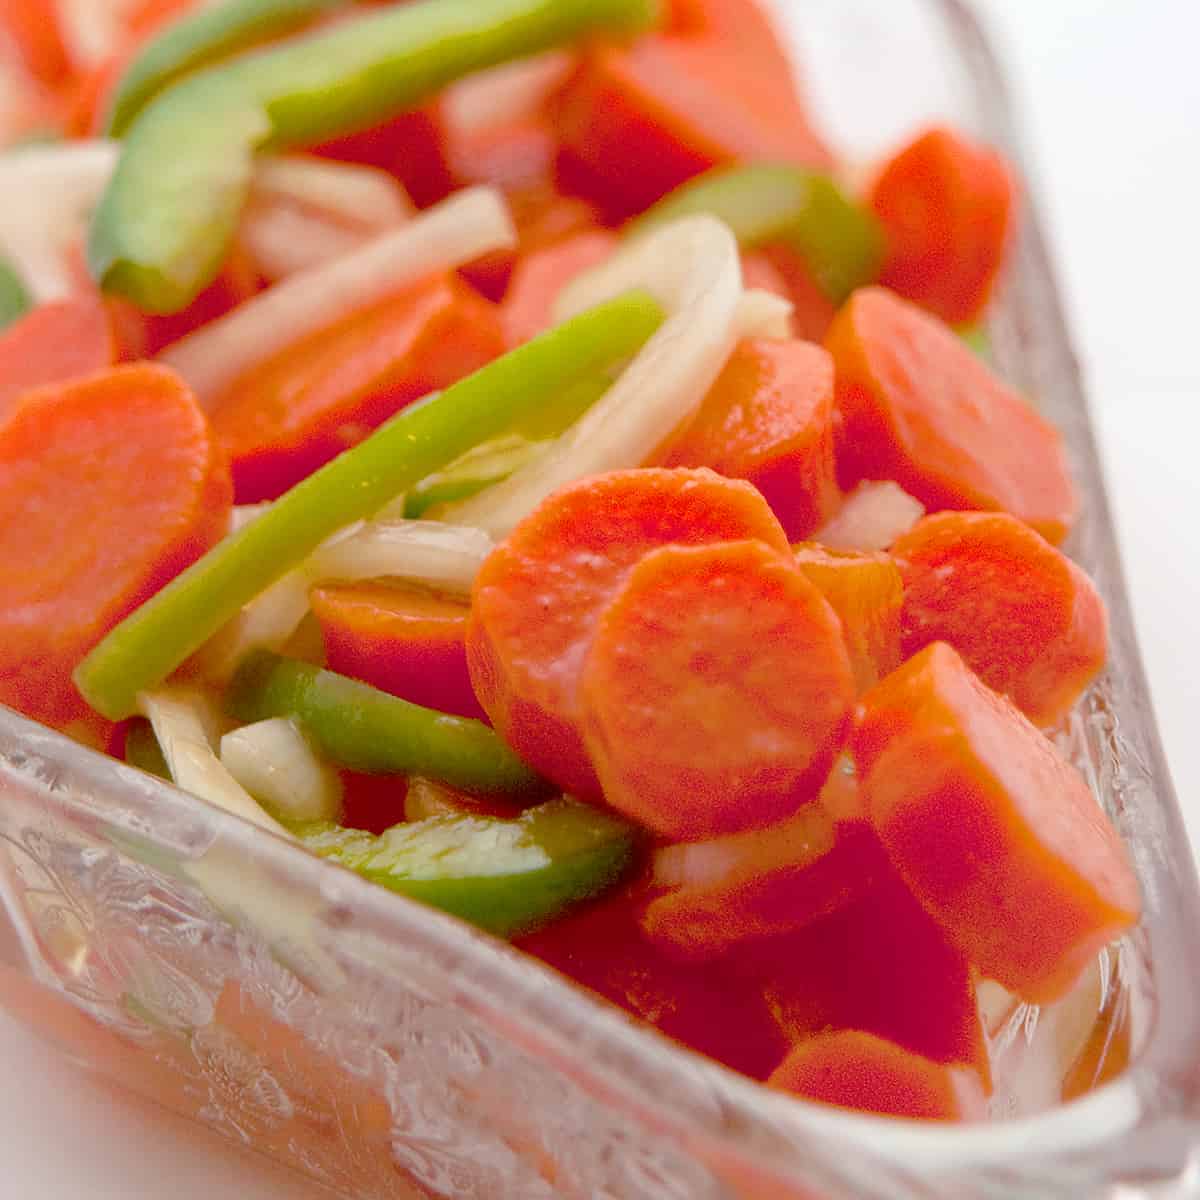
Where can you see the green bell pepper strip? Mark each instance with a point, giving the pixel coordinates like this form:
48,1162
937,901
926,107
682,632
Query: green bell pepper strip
806,210
15,300
506,876
165,223
149,644
479,468
200,39
358,726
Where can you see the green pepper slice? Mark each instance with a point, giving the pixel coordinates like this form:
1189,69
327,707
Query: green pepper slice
490,463
15,300
806,210
199,39
150,643
358,726
164,225
506,876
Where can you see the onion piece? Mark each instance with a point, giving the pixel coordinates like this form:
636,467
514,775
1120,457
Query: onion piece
183,720
277,765
872,518
469,224
692,268
763,314
93,29
283,240
504,93
360,196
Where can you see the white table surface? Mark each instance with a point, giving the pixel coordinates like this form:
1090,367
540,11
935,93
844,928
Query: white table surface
1110,94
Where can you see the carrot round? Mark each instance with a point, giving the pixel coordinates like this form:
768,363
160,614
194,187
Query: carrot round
1023,616
111,485
403,641
540,594
716,691
997,835
282,420
919,407
863,1072
768,419
54,343
867,592
948,208
812,309
34,29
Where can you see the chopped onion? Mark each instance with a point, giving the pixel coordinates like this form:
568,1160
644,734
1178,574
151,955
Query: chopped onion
460,229
763,314
283,240
277,765
692,268
243,514
504,93
872,518
183,720
93,29
365,197
49,192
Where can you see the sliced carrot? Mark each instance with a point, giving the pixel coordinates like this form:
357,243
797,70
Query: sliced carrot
89,94
867,593
716,691
401,640
540,594
762,883
636,123
863,1072
285,418
54,343
701,1006
742,27
1023,616
948,208
996,833
539,277
881,965
111,485
769,419
812,310
919,407
34,28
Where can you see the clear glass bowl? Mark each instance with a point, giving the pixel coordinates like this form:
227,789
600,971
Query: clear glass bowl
390,1051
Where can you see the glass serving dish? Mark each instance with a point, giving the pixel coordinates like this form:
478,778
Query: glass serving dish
390,1051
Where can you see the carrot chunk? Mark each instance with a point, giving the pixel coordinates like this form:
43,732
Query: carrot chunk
410,643
716,691
540,594
1023,616
919,407
880,965
812,309
948,208
768,419
996,833
867,592
285,418
34,29
54,343
110,485
859,1071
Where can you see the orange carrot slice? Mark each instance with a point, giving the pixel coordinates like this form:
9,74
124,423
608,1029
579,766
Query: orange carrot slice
867,593
715,692
282,420
768,419
860,1071
1023,616
948,208
410,643
34,28
996,833
111,485
54,343
812,310
919,407
540,595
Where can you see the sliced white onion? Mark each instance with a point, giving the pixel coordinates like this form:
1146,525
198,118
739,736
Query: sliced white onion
872,518
243,514
93,29
283,240
462,228
692,268
183,720
49,192
277,765
505,93
360,196
763,314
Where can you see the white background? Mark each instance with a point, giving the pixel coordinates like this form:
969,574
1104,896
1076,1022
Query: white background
1110,95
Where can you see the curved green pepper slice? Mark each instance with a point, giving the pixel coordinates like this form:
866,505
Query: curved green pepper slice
806,210
358,726
506,876
165,223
